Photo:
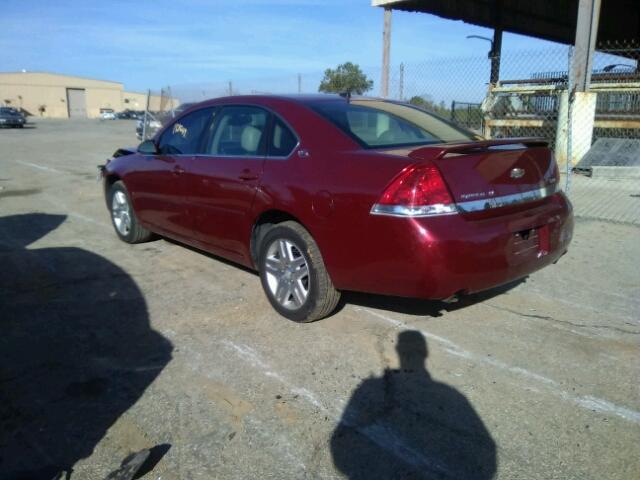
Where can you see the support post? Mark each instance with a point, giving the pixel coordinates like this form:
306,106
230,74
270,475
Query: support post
585,42
574,133
401,89
496,52
577,110
230,88
299,83
386,46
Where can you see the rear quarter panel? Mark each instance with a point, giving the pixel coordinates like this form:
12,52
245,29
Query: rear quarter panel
330,192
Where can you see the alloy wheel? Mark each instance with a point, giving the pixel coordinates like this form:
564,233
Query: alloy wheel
287,274
121,213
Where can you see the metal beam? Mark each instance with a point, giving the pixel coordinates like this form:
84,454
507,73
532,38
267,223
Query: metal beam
496,52
386,47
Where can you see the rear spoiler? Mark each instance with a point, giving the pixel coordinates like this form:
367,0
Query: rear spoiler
442,150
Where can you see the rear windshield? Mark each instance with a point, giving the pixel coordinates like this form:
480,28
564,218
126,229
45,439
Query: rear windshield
379,124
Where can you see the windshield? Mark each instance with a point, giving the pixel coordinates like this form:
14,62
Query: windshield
378,124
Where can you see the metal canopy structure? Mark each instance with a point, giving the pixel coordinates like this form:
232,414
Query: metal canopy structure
553,20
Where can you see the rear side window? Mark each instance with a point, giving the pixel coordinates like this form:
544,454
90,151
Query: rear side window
184,136
238,131
376,124
282,141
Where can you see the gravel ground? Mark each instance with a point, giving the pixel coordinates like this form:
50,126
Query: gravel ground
107,349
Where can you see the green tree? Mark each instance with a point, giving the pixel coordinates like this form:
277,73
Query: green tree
345,78
427,103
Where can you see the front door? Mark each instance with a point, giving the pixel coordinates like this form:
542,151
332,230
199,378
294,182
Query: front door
161,185
224,178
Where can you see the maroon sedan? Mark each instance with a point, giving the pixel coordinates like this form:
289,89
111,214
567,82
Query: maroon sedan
324,193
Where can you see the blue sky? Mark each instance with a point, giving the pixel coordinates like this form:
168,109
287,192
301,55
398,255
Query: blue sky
149,44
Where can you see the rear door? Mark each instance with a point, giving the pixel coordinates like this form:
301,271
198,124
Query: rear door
160,186
224,178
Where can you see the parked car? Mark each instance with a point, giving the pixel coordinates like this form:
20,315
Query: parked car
322,194
10,117
107,114
127,115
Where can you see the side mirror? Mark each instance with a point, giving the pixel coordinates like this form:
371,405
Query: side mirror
148,147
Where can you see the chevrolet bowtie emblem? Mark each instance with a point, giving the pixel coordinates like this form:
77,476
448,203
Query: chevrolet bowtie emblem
517,173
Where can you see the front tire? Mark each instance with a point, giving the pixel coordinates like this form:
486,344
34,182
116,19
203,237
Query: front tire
123,217
293,274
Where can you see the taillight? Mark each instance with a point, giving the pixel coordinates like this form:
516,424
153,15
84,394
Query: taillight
552,175
417,191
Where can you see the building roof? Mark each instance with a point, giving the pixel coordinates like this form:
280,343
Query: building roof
39,77
553,20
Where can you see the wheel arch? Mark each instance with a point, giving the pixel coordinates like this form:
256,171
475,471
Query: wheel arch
263,222
109,180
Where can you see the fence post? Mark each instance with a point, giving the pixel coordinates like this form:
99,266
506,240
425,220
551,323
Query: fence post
401,82
299,83
173,113
453,110
144,120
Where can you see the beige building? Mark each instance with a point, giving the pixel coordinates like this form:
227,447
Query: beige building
51,95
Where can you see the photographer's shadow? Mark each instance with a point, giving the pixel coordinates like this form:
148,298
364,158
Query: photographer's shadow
76,350
407,425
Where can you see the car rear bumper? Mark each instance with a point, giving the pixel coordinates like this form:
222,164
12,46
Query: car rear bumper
441,256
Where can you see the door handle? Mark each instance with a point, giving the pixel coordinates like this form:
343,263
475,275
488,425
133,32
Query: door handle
247,175
177,170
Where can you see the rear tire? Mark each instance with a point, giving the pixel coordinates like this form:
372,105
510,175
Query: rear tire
293,274
123,217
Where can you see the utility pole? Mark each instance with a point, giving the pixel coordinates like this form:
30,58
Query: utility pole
299,83
230,88
401,82
386,46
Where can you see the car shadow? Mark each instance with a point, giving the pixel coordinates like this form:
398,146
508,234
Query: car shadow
421,307
410,306
406,425
210,255
76,350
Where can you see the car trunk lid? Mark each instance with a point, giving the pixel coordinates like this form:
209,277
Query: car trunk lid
493,170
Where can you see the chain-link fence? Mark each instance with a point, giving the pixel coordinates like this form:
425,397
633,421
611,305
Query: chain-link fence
535,95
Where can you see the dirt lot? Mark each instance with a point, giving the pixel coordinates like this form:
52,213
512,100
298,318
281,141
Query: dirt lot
107,348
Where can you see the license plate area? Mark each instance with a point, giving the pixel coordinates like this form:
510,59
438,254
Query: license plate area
532,242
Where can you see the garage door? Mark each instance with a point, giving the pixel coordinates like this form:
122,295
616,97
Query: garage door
76,103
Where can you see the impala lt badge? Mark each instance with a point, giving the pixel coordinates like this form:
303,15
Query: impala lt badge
517,173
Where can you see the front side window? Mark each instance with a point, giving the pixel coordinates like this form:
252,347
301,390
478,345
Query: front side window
377,124
184,136
282,141
238,131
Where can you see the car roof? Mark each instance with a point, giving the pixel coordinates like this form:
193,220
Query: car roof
304,99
